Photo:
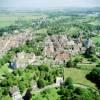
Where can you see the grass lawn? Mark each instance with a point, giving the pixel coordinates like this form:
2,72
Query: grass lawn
86,66
49,94
96,39
7,20
96,22
78,76
5,23
73,30
3,70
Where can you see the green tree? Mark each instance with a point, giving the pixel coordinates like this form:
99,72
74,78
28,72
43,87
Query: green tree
40,83
71,63
90,51
21,86
98,65
69,82
94,76
43,67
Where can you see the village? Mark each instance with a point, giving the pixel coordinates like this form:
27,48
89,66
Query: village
11,41
53,55
59,49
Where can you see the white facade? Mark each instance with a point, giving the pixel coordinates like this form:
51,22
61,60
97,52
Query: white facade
59,81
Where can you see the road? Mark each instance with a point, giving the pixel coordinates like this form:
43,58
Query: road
54,85
46,87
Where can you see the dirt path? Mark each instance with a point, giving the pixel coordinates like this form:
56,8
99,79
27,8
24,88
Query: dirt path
46,87
54,85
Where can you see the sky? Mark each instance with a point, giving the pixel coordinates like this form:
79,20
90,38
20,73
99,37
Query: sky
48,3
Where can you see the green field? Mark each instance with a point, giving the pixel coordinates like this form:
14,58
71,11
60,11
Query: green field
9,20
78,76
4,70
51,94
95,22
96,39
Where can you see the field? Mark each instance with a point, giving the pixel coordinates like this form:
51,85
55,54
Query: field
78,76
95,22
4,70
51,94
96,39
9,20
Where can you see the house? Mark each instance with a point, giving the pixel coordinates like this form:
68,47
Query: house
34,85
15,31
22,59
93,33
15,93
98,44
60,47
12,64
70,43
61,56
98,54
49,48
59,81
87,43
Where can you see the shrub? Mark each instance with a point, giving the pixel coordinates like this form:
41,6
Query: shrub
71,63
94,76
68,81
40,83
43,68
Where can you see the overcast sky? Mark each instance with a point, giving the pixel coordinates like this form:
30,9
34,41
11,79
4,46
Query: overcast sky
48,3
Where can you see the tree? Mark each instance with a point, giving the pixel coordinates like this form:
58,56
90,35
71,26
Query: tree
94,76
90,51
98,65
4,83
28,94
78,91
78,59
40,83
94,58
43,68
21,86
69,82
5,91
77,94
71,63
30,67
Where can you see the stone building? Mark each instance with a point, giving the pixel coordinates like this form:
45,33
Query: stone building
15,93
87,43
34,85
49,47
62,56
59,81
23,59
61,48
